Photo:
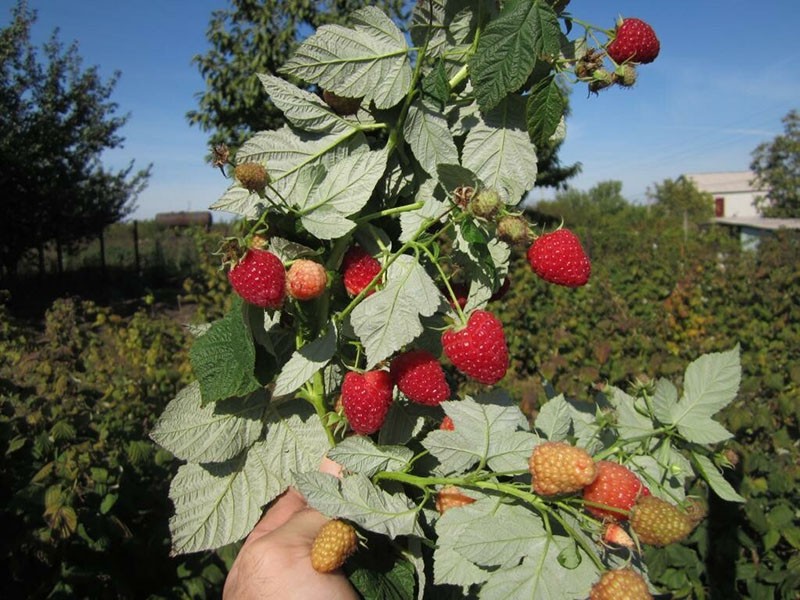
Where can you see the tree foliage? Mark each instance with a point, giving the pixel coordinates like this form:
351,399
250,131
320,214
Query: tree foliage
776,165
56,119
680,199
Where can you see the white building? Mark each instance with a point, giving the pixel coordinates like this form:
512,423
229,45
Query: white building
733,192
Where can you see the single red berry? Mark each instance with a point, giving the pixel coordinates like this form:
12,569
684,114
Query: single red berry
420,377
558,257
447,424
366,399
306,279
479,349
259,278
620,584
616,487
451,497
359,269
560,468
634,41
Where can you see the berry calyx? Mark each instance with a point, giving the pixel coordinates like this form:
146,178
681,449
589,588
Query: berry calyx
420,377
560,468
615,487
558,257
658,523
252,176
634,41
620,584
306,279
259,278
451,497
478,350
359,269
366,398
333,545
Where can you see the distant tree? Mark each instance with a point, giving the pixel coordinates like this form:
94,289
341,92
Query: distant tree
680,199
56,120
776,165
601,203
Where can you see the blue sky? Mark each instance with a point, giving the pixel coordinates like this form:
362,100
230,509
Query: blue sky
726,75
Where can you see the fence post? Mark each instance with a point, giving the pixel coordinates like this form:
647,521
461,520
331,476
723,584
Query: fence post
136,247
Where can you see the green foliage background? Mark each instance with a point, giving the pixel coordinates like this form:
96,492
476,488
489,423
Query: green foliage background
84,502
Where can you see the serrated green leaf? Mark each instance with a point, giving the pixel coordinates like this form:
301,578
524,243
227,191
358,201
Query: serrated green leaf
212,433
554,419
499,151
359,500
455,176
436,86
287,250
360,454
368,61
426,132
220,503
703,430
450,568
668,468
302,109
631,420
411,221
489,433
305,362
665,398
509,47
396,583
545,110
709,471
710,384
296,442
443,24
390,318
223,359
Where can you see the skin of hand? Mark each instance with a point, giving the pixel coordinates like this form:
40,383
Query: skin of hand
275,560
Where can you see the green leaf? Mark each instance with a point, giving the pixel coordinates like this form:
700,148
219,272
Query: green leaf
509,47
390,318
664,400
296,442
709,471
554,419
212,432
426,132
361,455
545,110
305,362
450,568
396,583
489,433
368,61
443,23
325,198
359,500
223,359
302,109
436,85
631,420
411,221
499,151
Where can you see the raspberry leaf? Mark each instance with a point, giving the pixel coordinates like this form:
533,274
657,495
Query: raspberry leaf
305,362
510,47
212,432
360,454
545,110
390,318
223,358
665,397
369,60
447,23
631,419
357,499
709,471
450,568
303,109
411,221
554,420
430,140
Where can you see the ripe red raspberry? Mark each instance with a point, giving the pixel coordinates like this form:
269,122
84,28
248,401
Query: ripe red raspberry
620,584
334,544
447,424
615,486
419,376
478,350
659,523
558,257
560,468
634,41
451,497
259,278
359,268
366,399
306,279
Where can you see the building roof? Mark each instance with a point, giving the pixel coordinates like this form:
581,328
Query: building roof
759,222
727,181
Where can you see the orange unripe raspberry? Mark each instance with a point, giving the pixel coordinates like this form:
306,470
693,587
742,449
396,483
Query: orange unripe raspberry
334,544
658,523
451,497
560,468
620,584
306,279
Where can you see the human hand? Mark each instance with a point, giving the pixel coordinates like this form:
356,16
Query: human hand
275,560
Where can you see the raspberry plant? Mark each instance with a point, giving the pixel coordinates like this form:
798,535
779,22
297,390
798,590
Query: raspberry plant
418,175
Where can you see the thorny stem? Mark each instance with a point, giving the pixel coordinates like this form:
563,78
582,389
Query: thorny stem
314,392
